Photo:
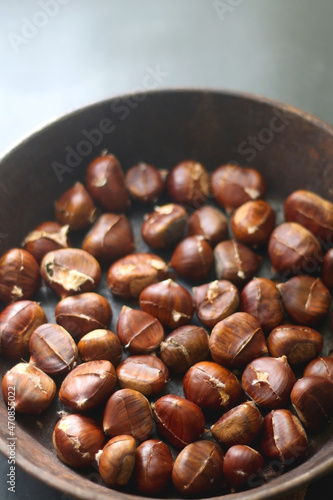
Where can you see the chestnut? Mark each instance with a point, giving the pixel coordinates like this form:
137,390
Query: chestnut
241,465
293,250
144,182
17,323
116,460
268,381
105,182
139,331
145,373
299,343
198,469
235,262
80,314
178,420
75,208
311,211
102,240
327,269
305,299
153,467
128,411
88,385
100,344
260,297
188,183
232,185
209,222
52,349
321,366
168,301
129,275
165,226
185,346
69,271
237,340
19,275
215,301
33,389
240,425
211,386
46,237
193,258
312,399
77,439
283,437
253,222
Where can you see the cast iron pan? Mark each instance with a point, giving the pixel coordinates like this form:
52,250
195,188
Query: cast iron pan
292,150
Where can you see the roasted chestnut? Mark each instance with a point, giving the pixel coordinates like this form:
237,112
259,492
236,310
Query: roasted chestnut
321,366
253,222
210,223
19,275
75,208
144,182
237,340
215,301
46,237
241,466
165,226
235,262
153,467
299,343
145,373
116,460
100,344
193,258
188,183
139,331
232,185
168,301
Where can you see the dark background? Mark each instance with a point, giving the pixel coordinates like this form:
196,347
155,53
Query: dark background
58,55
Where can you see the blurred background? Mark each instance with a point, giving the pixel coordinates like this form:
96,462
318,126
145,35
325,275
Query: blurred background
59,55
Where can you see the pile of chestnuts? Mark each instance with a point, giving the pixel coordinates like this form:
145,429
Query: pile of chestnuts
214,376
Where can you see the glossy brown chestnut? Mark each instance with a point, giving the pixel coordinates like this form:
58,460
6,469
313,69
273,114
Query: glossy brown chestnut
153,467
211,386
283,437
178,420
237,340
321,367
46,237
198,469
17,323
27,389
312,398
305,299
193,258
242,466
52,349
210,223
268,381
128,411
311,211
184,346
128,276
293,250
188,183
327,269
19,275
235,262
215,301
260,297
110,238
77,439
168,301
233,185
82,313
100,344
105,182
116,460
239,425
144,182
75,208
299,343
88,385
145,373
253,222
139,331
165,226
69,271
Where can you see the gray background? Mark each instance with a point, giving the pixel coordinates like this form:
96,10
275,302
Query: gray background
82,51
